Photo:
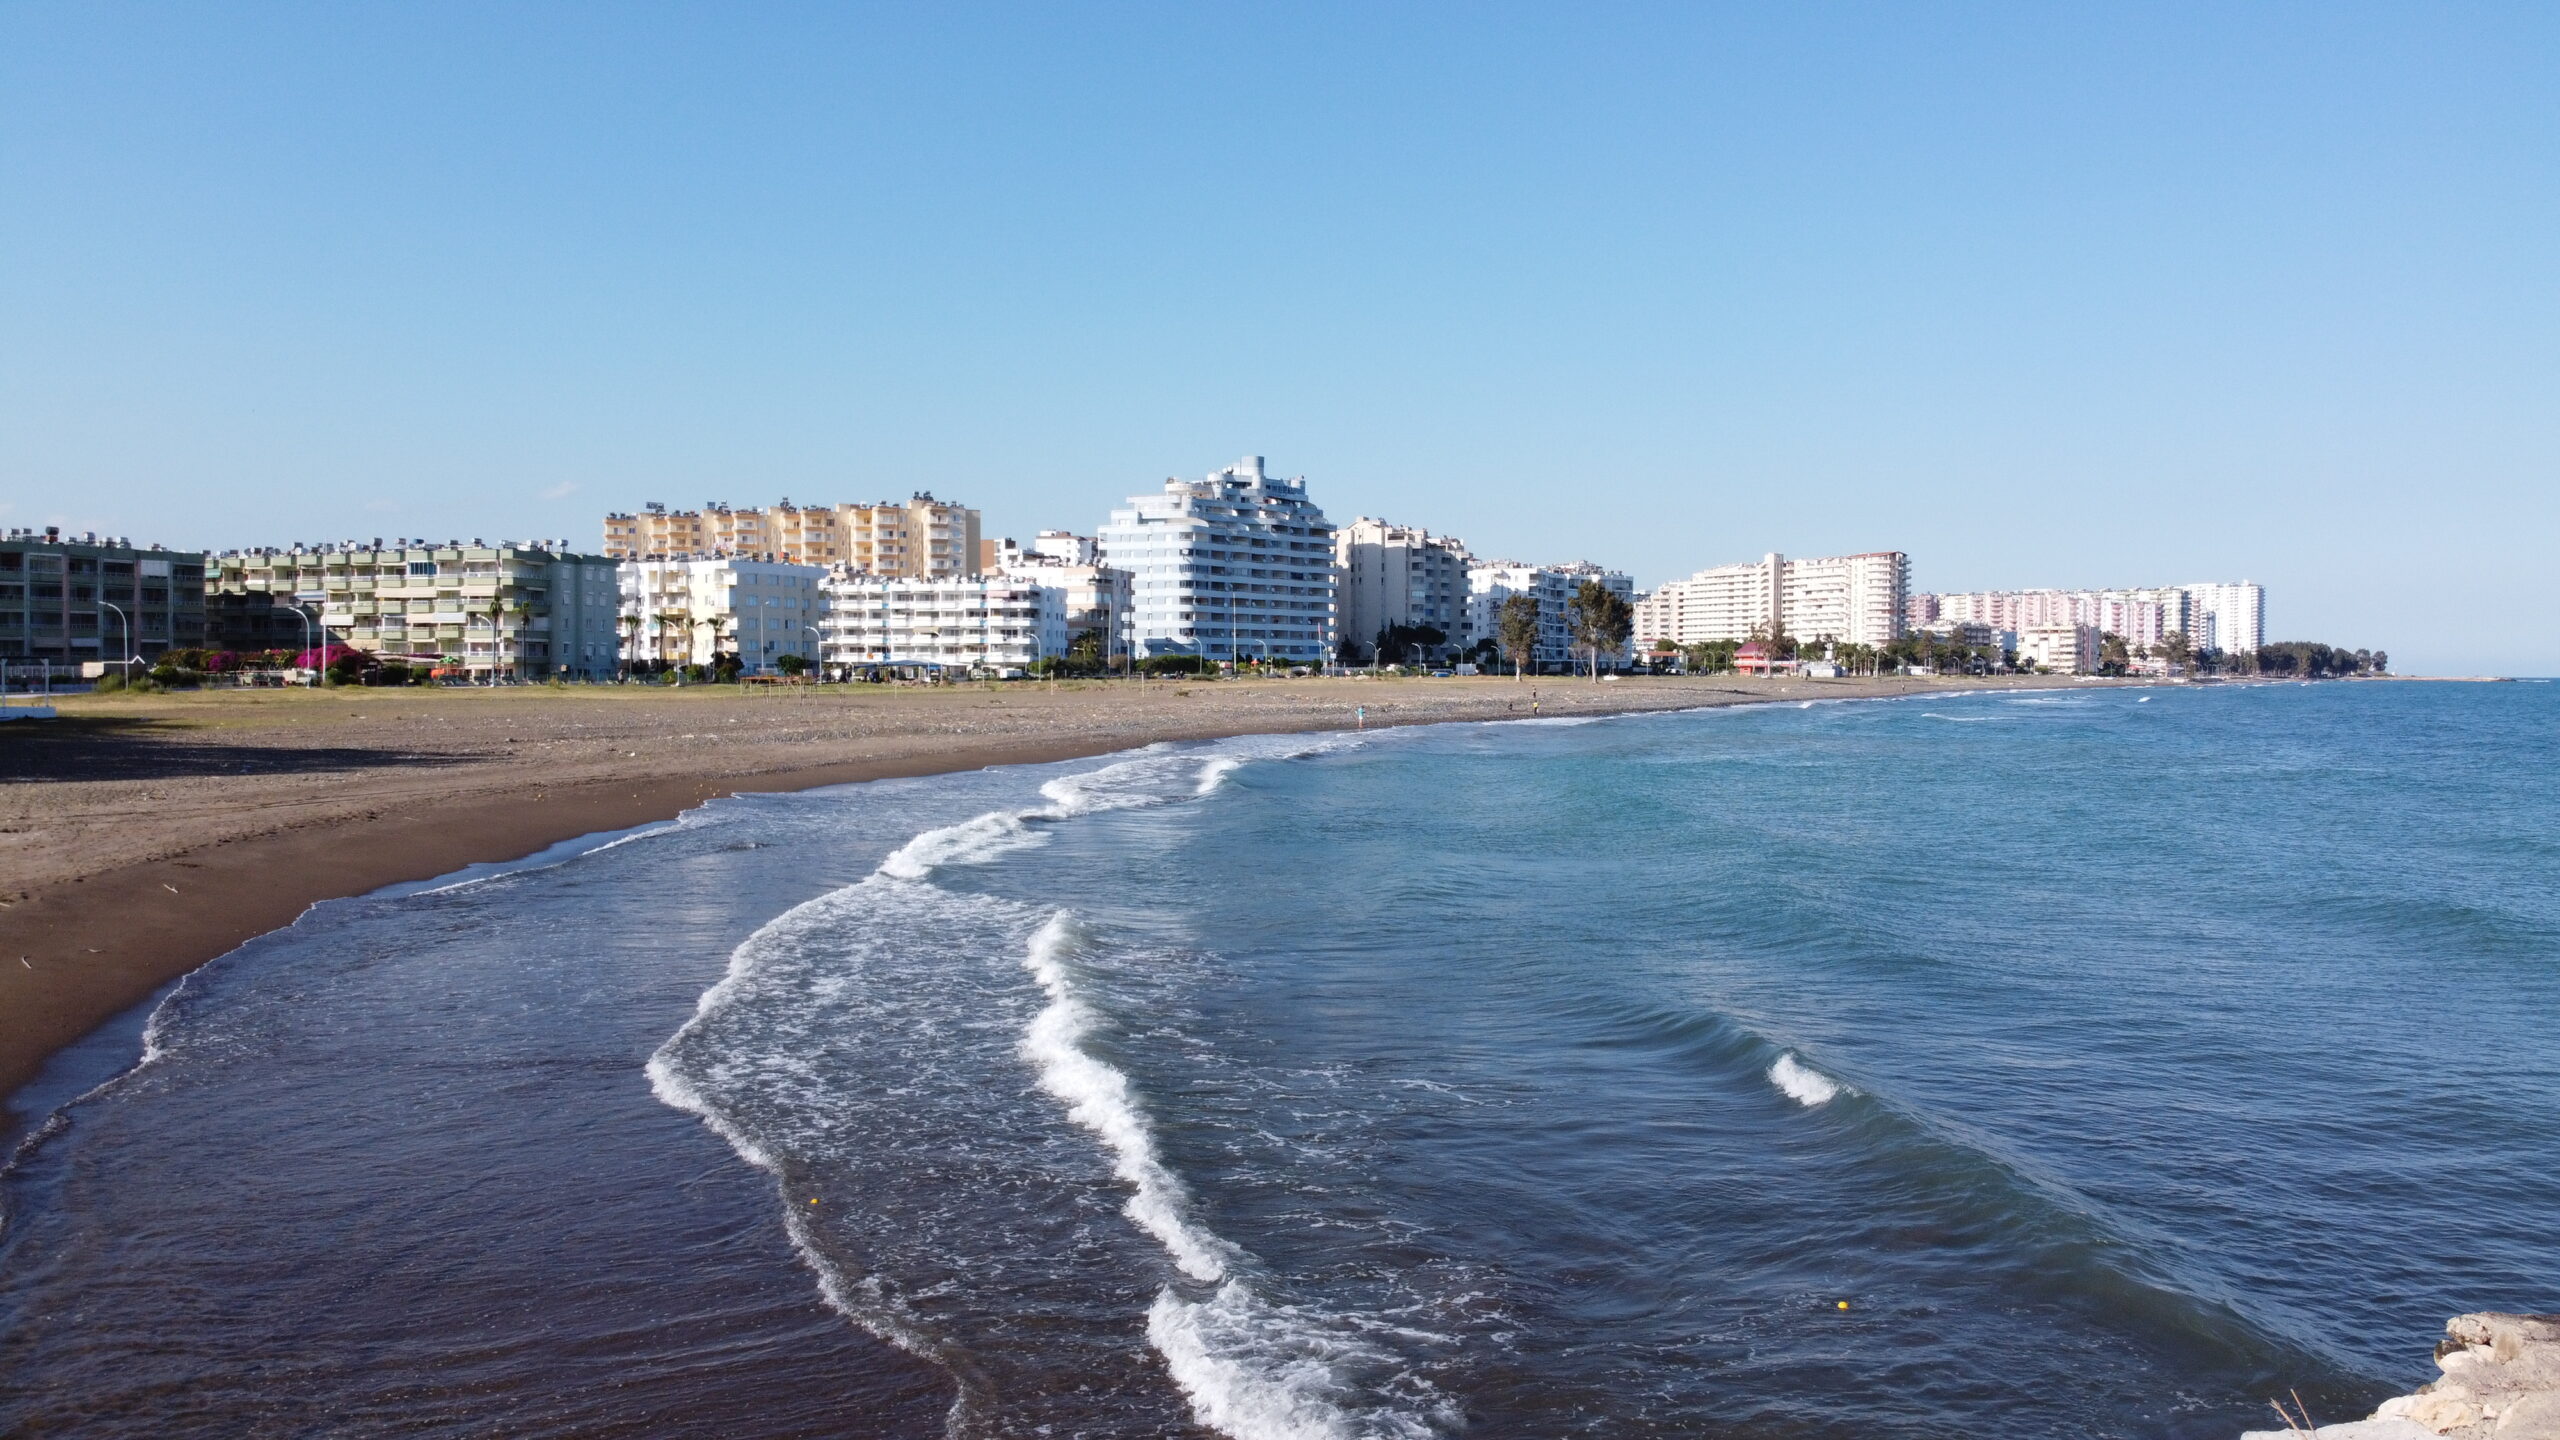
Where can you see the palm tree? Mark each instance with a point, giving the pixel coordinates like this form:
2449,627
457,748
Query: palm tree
496,607
714,623
630,623
523,611
679,620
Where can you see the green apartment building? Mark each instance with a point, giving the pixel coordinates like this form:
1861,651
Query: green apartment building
526,612
65,600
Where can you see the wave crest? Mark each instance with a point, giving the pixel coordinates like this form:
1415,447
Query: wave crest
1804,1084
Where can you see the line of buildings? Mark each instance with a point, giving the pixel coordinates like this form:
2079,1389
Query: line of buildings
2211,615
1838,599
1238,565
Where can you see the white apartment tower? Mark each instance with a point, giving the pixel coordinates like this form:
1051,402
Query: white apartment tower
1853,599
1238,565
1397,575
2230,618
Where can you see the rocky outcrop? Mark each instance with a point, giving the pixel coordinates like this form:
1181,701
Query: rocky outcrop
2501,1382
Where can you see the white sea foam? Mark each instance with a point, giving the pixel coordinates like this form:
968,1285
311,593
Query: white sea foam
1804,1084
551,858
1100,1099
1253,1368
863,1300
1151,777
1959,719
1215,773
971,842
1259,1371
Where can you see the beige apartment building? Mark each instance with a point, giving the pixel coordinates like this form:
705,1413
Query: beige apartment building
2060,649
918,538
504,610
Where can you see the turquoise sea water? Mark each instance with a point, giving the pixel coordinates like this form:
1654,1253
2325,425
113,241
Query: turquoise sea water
2119,1058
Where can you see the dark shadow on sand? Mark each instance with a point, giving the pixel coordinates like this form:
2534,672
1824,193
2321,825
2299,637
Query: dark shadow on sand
105,747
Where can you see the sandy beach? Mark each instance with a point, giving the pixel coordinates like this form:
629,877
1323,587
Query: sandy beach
141,836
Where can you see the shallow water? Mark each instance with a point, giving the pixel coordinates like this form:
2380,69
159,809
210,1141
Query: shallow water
2120,1059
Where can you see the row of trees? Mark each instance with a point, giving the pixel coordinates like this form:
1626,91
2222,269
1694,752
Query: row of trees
2116,656
2311,660
1598,621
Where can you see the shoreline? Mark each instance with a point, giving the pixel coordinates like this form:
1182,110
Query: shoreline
90,947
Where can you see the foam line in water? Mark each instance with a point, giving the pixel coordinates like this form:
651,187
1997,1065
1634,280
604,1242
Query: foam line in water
1253,1369
549,858
1147,778
1100,1099
1259,1371
862,1300
1804,1084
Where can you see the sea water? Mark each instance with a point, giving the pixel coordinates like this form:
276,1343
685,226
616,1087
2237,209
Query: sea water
2097,1063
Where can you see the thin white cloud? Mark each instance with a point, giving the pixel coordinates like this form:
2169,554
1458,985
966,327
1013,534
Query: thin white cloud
560,491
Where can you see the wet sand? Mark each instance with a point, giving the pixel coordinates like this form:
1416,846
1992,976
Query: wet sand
141,836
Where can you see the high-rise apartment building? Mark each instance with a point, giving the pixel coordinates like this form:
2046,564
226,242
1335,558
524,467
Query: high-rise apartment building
689,612
1235,566
2227,616
1490,582
71,599
508,610
1852,599
920,537
1388,575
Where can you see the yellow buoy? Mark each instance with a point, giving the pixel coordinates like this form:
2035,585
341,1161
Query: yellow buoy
1843,1304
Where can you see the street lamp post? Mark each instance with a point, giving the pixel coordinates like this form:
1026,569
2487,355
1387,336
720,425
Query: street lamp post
307,645
126,664
819,646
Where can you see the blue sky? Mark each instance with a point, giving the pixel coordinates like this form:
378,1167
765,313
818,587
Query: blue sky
2043,294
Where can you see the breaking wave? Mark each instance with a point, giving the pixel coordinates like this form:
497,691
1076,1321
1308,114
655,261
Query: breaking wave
1804,1084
